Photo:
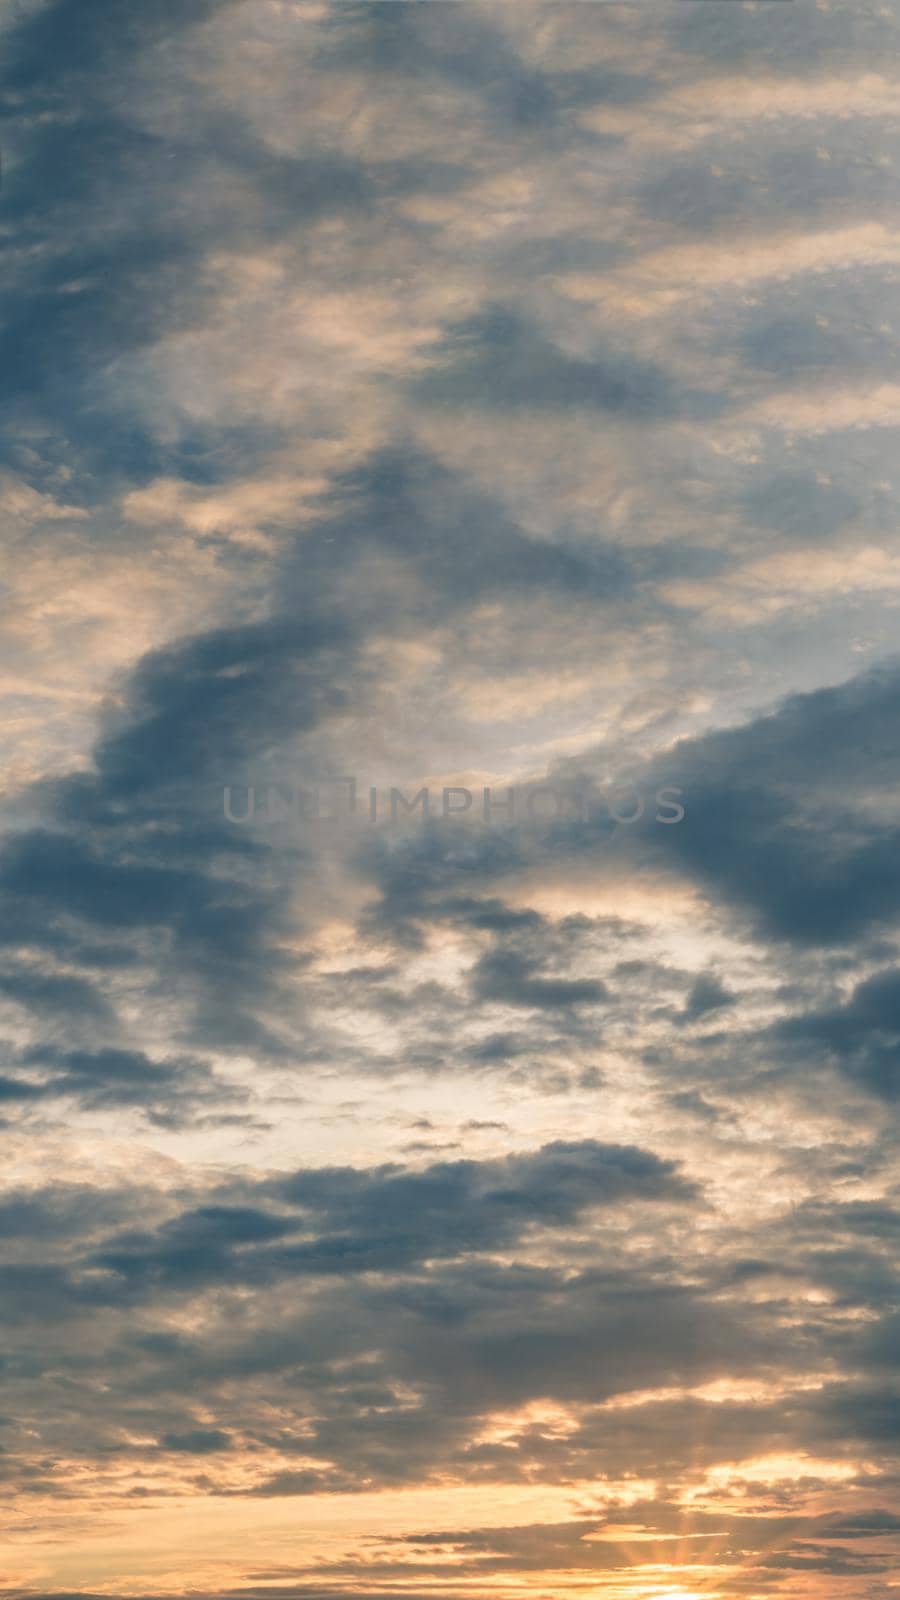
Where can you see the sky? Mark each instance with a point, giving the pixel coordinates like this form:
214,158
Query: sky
498,1203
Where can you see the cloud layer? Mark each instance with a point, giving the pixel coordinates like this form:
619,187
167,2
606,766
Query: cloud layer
457,396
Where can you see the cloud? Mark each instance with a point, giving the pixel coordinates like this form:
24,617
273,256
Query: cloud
790,817
377,1221
862,1036
473,397
198,1442
507,977
496,359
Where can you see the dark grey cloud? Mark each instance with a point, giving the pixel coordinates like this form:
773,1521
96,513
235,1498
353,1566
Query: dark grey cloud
498,359
138,849
382,1220
52,995
862,1037
99,195
508,978
471,54
197,1442
19,1089
799,332
458,544
790,818
170,1092
788,176
799,505
708,994
788,41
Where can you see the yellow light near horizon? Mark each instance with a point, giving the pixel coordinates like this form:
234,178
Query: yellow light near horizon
674,1594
